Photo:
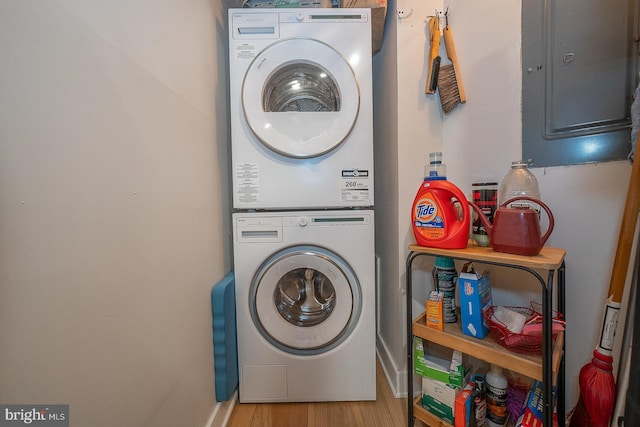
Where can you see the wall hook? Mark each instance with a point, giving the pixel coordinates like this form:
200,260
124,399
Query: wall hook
404,13
442,17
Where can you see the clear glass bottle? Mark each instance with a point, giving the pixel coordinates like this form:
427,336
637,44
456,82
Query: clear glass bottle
519,181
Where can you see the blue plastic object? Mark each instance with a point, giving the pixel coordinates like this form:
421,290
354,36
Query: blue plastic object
225,348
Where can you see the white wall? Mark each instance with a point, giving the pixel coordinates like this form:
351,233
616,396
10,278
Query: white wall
479,141
113,207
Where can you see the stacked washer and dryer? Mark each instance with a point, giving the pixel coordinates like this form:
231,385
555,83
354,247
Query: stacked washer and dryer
303,221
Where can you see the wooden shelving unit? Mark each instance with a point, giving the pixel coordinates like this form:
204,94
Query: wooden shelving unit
548,367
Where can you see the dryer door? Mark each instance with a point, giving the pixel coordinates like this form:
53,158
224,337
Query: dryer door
305,300
300,98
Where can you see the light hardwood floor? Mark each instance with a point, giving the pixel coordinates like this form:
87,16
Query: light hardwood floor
385,411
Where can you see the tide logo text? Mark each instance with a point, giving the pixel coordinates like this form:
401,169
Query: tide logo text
426,210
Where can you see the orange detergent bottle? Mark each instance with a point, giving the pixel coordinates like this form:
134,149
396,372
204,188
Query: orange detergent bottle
440,215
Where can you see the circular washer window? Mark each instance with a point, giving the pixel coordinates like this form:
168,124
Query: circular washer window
305,300
305,297
300,98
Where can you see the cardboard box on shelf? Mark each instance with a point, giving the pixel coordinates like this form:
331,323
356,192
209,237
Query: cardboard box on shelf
378,16
439,398
475,297
447,371
534,407
462,410
434,316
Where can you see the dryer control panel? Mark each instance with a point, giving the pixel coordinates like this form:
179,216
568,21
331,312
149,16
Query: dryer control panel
266,25
323,15
254,25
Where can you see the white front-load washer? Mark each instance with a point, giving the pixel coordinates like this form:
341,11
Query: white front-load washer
305,305
301,108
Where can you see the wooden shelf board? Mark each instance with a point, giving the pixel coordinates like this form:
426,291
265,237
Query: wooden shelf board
488,350
548,259
427,417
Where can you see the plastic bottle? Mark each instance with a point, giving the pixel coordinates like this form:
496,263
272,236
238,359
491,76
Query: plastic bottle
440,215
479,402
485,196
445,277
496,397
519,181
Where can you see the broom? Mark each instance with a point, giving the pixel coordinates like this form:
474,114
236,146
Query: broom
449,81
433,67
597,385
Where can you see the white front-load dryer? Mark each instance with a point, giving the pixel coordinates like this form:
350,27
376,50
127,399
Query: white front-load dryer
301,108
305,305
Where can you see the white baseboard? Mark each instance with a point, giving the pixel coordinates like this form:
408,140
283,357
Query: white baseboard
397,382
396,378
222,412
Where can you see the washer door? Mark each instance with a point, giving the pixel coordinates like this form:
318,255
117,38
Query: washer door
305,300
300,98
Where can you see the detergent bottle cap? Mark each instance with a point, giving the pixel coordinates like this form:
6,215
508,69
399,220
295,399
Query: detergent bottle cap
444,262
435,169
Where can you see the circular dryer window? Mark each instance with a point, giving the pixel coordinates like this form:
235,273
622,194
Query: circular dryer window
305,300
301,88
300,98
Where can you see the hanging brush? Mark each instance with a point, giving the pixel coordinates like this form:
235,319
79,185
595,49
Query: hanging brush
433,67
449,81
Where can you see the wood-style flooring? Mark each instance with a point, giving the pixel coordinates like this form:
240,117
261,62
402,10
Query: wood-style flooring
385,411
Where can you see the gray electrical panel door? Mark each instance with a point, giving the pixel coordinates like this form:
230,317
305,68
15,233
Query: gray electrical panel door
579,61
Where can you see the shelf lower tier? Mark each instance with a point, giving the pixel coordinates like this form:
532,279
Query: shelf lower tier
488,350
427,417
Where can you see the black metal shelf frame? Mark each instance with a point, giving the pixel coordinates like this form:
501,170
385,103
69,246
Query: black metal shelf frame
547,348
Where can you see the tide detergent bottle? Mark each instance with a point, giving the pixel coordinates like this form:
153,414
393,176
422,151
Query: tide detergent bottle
440,215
